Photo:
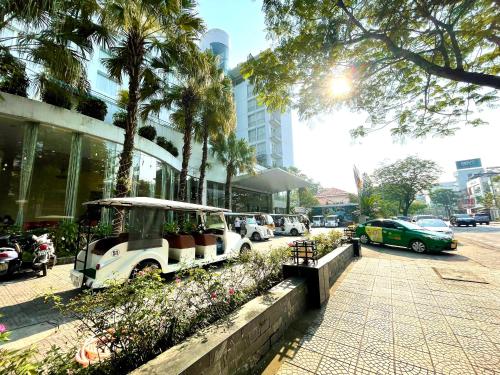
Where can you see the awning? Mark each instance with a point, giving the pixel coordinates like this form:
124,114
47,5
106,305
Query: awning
270,181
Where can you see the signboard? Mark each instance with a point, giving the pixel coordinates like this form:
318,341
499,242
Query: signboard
471,163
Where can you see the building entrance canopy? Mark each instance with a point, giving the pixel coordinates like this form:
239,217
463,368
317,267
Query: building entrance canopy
273,180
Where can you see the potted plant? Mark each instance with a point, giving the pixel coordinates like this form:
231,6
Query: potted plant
148,132
55,94
120,119
92,107
167,145
13,78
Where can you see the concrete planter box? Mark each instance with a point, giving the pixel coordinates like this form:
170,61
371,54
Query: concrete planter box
236,344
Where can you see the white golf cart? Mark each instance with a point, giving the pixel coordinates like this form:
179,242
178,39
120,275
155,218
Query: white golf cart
252,228
317,221
288,225
331,221
143,244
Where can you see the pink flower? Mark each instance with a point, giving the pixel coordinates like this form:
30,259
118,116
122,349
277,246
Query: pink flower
231,291
213,295
177,280
3,328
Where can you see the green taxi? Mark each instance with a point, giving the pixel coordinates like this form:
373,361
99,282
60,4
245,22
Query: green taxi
405,234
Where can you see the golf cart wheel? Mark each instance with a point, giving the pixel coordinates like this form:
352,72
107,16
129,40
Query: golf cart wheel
294,232
474,225
256,237
145,265
244,248
364,239
418,246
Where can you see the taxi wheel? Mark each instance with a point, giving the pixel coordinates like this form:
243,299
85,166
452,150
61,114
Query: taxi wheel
418,246
364,239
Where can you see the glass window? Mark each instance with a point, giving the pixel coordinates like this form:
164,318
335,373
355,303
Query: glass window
249,90
256,118
11,148
260,148
106,85
50,172
374,223
98,170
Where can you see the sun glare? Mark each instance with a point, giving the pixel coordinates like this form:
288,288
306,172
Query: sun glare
340,86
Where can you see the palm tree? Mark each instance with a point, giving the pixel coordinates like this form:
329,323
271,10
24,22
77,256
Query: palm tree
185,97
144,28
238,157
218,115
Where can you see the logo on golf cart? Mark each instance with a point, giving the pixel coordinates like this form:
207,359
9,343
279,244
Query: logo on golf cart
115,252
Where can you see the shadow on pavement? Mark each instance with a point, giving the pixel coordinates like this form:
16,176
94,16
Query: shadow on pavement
453,256
34,316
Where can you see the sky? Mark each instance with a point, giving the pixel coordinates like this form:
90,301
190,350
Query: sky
323,147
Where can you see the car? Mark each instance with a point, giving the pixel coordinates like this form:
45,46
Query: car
482,218
331,221
458,220
404,218
435,225
420,217
404,234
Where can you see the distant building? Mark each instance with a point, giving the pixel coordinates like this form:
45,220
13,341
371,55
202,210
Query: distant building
465,169
217,40
481,184
269,132
449,185
330,196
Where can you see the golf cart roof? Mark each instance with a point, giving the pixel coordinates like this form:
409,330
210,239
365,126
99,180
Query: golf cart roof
332,215
238,214
163,204
318,216
286,215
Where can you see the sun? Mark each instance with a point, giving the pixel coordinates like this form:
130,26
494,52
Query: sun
340,86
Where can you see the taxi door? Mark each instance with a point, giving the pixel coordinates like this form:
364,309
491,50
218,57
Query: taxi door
391,233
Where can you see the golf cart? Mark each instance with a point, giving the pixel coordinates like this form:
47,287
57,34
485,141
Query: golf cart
331,221
317,221
252,229
288,225
143,243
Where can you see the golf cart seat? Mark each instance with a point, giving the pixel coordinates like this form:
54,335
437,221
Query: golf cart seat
181,247
104,244
204,239
205,245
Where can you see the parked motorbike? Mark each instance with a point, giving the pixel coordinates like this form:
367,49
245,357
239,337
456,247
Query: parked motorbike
10,255
44,254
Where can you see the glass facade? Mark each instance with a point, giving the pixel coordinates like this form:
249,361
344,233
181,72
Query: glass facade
47,173
215,194
250,201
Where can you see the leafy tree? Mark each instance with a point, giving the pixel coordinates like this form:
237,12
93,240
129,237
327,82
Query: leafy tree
417,208
418,66
446,198
488,201
143,29
218,113
185,98
238,157
402,180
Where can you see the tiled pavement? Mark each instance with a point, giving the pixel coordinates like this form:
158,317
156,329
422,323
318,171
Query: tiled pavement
399,317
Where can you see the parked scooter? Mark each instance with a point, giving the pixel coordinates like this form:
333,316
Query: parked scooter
10,255
44,254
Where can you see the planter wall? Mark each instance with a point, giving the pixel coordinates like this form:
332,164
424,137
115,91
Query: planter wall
235,346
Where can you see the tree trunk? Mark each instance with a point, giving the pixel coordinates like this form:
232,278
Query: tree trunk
228,189
203,165
135,45
186,155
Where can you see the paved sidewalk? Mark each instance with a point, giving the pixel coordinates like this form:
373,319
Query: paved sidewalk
395,315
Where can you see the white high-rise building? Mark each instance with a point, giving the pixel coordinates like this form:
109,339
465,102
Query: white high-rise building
269,132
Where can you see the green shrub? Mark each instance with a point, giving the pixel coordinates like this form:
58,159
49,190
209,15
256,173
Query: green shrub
145,316
54,94
167,145
92,107
13,78
327,242
120,119
65,238
148,132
